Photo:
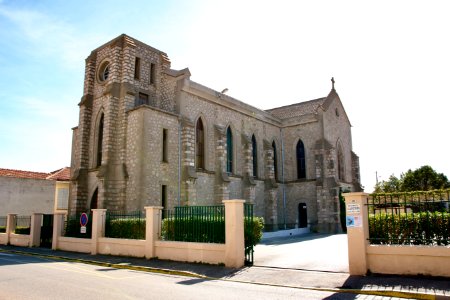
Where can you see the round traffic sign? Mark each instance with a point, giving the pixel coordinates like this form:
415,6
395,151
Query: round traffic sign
84,219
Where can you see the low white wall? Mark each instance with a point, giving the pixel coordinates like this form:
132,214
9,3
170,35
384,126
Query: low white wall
22,240
121,247
192,252
409,260
74,244
3,238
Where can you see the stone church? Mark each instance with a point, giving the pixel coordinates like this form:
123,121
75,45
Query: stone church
148,135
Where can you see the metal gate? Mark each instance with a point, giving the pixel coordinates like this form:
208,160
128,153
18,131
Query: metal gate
47,231
248,233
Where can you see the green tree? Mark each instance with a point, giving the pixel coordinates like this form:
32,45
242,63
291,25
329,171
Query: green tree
393,184
421,179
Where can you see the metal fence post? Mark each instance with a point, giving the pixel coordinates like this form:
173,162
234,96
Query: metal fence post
357,232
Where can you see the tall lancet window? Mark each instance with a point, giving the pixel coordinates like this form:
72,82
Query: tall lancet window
199,145
100,141
301,162
254,156
229,150
340,162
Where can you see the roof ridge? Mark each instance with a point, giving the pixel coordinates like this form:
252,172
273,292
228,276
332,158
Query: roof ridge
298,103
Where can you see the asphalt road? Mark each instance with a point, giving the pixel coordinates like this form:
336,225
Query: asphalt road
316,252
27,277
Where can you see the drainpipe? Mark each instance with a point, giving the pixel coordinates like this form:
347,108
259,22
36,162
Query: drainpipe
282,178
179,162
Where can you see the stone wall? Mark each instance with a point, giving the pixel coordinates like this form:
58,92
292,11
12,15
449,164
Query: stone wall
146,169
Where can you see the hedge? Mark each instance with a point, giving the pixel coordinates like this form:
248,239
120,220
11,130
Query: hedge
2,229
22,230
126,229
425,228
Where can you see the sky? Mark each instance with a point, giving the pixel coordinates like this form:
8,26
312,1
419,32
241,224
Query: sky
390,61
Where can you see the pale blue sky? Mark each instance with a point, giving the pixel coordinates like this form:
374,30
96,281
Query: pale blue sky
390,60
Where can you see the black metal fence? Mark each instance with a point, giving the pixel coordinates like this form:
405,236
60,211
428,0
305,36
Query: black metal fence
3,221
23,224
73,226
415,218
249,236
201,224
125,225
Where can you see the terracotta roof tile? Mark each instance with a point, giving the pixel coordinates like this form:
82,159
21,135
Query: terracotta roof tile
61,174
22,174
298,109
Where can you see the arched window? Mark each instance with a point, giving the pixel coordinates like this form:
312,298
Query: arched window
275,162
301,163
100,141
254,156
199,145
340,162
229,151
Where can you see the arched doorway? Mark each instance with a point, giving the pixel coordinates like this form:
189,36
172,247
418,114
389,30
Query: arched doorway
302,216
94,199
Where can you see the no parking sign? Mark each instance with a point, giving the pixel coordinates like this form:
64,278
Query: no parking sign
84,219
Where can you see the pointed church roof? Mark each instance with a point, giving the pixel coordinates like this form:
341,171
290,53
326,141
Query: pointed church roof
297,109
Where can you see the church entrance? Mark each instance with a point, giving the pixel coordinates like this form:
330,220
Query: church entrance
302,216
94,200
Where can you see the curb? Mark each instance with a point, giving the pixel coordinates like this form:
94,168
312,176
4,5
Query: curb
396,294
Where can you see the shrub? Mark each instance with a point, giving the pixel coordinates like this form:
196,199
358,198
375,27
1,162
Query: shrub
2,229
22,230
254,232
126,229
425,228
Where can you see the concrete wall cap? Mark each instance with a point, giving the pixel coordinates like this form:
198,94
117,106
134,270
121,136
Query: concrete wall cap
233,201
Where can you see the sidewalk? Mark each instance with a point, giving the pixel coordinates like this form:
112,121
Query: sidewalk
381,285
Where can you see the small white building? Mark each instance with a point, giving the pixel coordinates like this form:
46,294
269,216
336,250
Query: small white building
25,192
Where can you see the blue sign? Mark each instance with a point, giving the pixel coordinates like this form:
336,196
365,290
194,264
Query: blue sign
350,221
84,219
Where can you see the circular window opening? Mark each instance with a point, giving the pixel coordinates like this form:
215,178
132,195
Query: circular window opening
104,71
